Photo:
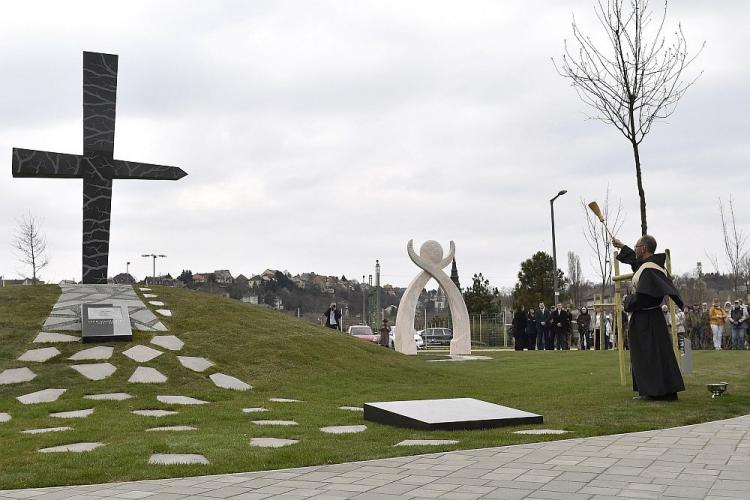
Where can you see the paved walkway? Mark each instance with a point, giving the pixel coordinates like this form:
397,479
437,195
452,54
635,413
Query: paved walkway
710,460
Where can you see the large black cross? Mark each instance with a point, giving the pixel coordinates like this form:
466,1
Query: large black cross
96,166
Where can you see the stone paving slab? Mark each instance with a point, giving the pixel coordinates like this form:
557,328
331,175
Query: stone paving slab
147,375
99,352
272,442
173,428
228,382
110,396
74,448
180,400
5,417
16,376
195,363
43,396
174,459
95,371
46,430
168,342
589,468
48,338
73,414
142,353
39,355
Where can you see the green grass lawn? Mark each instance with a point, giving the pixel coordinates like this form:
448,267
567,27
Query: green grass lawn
285,357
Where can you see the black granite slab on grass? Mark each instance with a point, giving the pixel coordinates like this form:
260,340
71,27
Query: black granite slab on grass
450,414
105,323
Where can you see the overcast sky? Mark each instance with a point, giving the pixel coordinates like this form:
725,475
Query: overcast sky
320,136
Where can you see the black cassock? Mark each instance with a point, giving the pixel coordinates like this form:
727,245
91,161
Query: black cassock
654,367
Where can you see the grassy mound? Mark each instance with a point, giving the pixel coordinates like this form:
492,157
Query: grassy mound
284,357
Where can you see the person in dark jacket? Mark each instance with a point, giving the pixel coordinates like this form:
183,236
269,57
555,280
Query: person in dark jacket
656,375
530,330
560,326
543,332
519,328
332,317
584,329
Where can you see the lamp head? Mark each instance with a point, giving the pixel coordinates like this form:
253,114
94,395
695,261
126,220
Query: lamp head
562,192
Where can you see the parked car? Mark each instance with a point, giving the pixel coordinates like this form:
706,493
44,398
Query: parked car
392,339
436,336
363,332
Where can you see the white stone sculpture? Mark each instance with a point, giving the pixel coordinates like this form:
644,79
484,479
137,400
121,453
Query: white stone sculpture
431,261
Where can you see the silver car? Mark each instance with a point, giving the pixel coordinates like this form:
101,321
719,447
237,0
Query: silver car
392,339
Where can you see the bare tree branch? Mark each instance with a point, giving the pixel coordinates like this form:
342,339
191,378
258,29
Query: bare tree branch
633,80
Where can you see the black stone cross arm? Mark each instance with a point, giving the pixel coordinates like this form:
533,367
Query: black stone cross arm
96,166
32,163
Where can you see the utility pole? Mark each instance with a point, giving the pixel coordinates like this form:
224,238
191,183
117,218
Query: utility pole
364,301
127,267
378,313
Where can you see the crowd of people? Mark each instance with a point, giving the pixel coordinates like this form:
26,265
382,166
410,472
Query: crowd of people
708,327
563,327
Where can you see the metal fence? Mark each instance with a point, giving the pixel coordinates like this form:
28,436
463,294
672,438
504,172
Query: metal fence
492,330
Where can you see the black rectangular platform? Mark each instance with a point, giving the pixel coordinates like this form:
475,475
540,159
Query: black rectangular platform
105,323
451,414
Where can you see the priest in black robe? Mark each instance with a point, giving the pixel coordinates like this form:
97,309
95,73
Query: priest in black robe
656,375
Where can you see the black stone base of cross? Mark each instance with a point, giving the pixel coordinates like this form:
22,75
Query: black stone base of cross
96,166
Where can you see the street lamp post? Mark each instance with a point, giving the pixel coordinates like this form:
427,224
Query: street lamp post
127,267
364,300
554,249
154,257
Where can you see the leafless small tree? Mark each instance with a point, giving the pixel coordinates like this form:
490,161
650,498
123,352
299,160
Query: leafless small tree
633,79
31,244
575,277
599,241
735,243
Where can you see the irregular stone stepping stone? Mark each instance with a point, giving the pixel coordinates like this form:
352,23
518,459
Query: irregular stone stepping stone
541,431
352,408
274,422
46,430
73,414
156,303
39,355
253,410
46,338
95,371
175,459
227,382
43,396
165,312
176,428
142,353
343,429
16,376
145,289
111,396
285,400
272,442
461,357
75,448
168,342
426,442
98,352
149,295
154,413
5,417
195,364
180,400
146,375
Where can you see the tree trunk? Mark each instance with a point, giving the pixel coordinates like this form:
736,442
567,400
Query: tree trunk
641,193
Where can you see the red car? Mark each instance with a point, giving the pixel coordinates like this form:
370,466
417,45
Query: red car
363,332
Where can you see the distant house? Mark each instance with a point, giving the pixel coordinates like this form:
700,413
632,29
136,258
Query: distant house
241,280
278,304
255,281
250,299
201,277
67,282
223,277
389,290
5,282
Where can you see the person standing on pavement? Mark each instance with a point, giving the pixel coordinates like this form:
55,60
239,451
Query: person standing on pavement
738,320
717,318
656,375
519,329
584,329
543,337
531,330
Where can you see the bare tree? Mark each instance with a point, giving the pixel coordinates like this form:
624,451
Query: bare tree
735,243
31,244
599,241
633,80
575,277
